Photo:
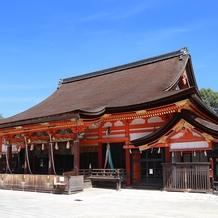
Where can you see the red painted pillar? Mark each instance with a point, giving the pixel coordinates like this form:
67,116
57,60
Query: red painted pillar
8,158
100,155
51,170
167,155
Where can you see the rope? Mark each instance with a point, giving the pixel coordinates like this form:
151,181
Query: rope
8,161
6,155
27,155
108,158
52,154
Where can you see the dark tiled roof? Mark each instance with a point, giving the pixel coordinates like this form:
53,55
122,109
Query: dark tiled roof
179,53
117,88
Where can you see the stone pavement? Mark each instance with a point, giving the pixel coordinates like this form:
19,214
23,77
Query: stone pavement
99,202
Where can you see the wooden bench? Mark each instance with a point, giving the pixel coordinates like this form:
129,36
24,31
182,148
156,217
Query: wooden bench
70,173
111,175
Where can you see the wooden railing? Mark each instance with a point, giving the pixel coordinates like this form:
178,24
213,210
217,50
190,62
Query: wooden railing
41,183
113,175
187,177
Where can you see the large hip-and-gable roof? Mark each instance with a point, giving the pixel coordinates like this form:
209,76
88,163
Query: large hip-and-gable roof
121,88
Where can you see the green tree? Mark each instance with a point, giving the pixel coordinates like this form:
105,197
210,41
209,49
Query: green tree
210,98
1,117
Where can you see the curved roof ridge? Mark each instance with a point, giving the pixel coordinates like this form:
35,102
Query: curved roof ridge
159,132
179,53
160,98
201,125
211,115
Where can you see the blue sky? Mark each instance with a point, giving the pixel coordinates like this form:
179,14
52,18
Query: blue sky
42,41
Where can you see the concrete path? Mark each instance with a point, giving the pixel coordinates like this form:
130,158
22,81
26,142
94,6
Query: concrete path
99,202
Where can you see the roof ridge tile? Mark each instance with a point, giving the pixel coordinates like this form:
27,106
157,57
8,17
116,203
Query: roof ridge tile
150,60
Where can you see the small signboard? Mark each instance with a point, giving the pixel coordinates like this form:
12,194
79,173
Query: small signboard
150,171
61,179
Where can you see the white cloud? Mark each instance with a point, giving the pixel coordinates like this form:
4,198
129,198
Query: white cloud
92,17
134,11
125,12
165,33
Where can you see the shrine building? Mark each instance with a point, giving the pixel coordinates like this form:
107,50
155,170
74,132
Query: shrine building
146,117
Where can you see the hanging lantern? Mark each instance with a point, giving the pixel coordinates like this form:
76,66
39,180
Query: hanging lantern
31,147
68,145
56,146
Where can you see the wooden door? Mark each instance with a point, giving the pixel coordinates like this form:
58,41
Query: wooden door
136,167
